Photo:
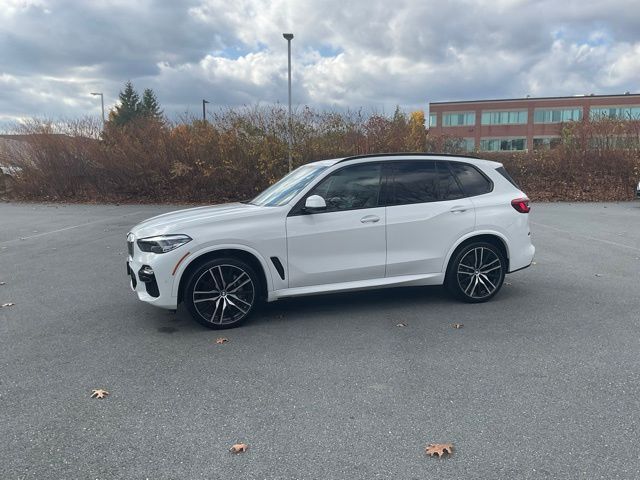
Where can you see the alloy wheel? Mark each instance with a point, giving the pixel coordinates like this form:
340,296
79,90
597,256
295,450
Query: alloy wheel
223,294
479,273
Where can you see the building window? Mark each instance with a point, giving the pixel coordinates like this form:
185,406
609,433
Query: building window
612,142
546,143
502,144
433,119
620,113
467,144
557,115
516,117
458,119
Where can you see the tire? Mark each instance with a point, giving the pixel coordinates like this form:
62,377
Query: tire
484,265
222,293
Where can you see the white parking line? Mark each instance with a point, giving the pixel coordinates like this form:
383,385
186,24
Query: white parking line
587,237
68,228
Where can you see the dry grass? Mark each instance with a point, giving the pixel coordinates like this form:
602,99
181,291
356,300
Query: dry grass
240,152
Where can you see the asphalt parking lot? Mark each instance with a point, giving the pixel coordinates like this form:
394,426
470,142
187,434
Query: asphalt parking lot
541,382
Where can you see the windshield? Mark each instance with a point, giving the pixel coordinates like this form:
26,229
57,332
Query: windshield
281,192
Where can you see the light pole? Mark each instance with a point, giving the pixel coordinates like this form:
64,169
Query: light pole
289,37
204,110
101,103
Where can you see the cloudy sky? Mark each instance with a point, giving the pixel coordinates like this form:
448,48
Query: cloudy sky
360,53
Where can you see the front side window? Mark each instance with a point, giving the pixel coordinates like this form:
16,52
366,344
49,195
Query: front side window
472,181
351,188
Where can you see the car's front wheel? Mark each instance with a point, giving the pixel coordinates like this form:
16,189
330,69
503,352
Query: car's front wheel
476,272
222,293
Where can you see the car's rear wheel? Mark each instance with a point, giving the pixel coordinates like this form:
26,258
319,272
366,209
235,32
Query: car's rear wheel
222,293
476,272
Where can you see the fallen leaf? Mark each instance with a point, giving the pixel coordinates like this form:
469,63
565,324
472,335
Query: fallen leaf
7,305
99,393
439,449
221,340
457,325
239,448
401,325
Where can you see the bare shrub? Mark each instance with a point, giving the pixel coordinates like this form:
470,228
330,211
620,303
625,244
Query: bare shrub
596,161
239,152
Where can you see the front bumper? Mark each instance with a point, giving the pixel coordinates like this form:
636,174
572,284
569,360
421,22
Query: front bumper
151,277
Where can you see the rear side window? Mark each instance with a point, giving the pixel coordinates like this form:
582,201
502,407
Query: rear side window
414,182
503,171
472,181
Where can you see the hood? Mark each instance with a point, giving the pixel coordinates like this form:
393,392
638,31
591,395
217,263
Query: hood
185,221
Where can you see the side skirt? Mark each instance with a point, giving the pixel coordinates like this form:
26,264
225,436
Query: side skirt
399,281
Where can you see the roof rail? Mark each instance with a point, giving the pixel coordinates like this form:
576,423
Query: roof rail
399,154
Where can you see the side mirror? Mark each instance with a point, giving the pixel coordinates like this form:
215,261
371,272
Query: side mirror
315,203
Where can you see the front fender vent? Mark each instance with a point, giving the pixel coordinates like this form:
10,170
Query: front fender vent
278,264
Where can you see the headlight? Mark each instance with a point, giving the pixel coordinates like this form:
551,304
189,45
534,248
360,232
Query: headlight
162,243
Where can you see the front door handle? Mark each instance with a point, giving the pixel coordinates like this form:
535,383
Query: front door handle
370,219
458,209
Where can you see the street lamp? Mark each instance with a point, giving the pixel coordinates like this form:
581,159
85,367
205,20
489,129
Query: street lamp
101,103
289,37
204,110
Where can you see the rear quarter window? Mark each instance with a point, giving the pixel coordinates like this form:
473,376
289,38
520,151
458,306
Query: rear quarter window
472,181
503,171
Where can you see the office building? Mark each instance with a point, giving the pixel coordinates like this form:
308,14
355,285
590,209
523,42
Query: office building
524,123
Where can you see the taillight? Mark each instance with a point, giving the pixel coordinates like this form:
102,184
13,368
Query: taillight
521,205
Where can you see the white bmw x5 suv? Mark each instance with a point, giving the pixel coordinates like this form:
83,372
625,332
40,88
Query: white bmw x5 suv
344,224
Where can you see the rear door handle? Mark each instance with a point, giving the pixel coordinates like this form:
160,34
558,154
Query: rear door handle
458,209
370,219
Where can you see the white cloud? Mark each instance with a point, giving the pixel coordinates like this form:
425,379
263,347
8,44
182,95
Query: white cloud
367,53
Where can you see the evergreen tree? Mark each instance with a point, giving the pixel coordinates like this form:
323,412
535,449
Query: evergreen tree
150,107
129,107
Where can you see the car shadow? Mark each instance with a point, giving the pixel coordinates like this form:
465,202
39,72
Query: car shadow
396,303
376,301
